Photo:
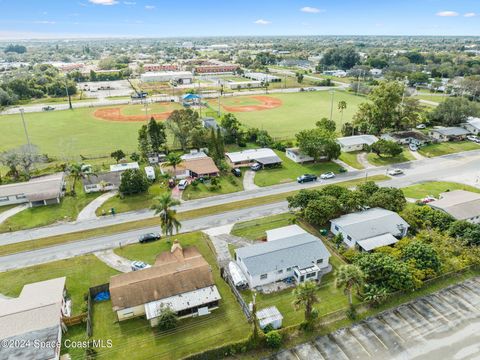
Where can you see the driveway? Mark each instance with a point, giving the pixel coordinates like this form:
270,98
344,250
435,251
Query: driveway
220,238
88,212
10,212
249,180
362,159
114,261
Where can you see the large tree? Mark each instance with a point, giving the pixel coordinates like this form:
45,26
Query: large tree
386,148
168,216
21,159
232,128
343,58
156,135
182,123
76,172
319,142
389,198
133,181
305,295
174,160
453,111
349,277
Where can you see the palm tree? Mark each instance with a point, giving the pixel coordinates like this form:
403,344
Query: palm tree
342,105
306,296
168,218
78,171
173,160
349,277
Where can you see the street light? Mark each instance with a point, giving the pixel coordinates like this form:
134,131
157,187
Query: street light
332,92
25,129
68,94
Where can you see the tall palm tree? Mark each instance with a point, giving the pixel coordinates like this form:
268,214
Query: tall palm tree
168,216
173,160
342,105
78,171
306,296
349,277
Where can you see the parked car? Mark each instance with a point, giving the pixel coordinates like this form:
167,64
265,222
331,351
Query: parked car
473,138
306,178
421,126
428,199
328,175
394,172
182,185
48,108
413,147
237,172
256,167
149,237
139,265
171,183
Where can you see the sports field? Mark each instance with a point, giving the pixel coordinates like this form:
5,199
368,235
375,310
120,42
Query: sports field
283,115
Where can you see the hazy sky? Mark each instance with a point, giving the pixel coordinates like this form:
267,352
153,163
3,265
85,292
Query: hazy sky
157,18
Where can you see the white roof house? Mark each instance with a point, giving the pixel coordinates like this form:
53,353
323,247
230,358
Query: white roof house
462,205
194,154
472,124
264,156
124,166
370,229
284,232
356,142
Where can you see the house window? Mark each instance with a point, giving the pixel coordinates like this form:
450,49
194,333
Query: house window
289,269
263,276
20,197
280,271
4,198
349,237
319,261
336,227
313,274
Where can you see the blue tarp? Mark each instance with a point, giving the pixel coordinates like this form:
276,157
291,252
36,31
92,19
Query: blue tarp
102,296
191,97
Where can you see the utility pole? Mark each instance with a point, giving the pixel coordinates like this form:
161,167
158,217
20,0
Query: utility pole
25,129
218,112
332,92
146,110
68,94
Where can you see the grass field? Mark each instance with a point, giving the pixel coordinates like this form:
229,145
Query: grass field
299,111
290,170
351,158
382,161
444,148
434,188
255,229
228,184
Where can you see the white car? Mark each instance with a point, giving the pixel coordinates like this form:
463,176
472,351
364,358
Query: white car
328,175
421,126
413,147
473,138
139,265
394,172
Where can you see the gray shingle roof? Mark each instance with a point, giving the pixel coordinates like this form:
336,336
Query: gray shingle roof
357,140
299,250
460,204
452,131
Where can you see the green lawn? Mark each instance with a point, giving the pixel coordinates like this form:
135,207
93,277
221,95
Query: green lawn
6,207
299,111
290,170
255,229
434,188
447,148
382,161
228,184
134,202
67,210
351,158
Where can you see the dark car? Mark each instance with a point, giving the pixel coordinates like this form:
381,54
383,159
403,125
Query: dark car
306,178
237,172
256,166
48,108
149,237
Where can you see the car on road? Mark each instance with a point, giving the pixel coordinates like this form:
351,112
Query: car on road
421,126
237,172
48,108
306,178
256,166
394,172
328,175
149,237
139,265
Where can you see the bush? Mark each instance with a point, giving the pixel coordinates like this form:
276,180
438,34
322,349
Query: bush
133,181
167,319
273,339
352,312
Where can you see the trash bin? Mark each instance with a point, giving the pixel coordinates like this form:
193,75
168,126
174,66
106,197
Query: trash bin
324,232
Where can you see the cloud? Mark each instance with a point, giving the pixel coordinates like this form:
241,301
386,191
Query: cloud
447,13
262,22
45,22
149,7
104,2
130,3
470,14
310,10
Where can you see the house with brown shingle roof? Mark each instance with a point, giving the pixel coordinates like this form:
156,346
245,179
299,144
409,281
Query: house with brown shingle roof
194,168
180,279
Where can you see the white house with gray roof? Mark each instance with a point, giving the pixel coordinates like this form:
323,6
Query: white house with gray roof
460,204
472,124
298,255
453,133
356,142
370,229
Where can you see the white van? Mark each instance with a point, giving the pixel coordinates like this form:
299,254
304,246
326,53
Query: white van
182,184
150,172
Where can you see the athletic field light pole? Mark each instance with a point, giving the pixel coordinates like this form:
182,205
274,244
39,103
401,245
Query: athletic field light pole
68,94
332,92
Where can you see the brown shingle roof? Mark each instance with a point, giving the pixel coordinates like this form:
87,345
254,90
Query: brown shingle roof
174,273
201,166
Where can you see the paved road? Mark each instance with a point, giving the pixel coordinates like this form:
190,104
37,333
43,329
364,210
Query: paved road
443,325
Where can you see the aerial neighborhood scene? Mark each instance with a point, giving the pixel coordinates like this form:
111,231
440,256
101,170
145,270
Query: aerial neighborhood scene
274,180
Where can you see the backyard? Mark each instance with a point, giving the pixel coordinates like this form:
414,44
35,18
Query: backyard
255,229
435,188
445,148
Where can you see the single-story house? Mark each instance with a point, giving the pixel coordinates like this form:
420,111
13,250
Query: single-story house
105,181
124,166
263,156
407,137
370,229
34,318
453,133
460,204
180,279
194,168
44,190
296,155
356,142
298,255
472,125
194,154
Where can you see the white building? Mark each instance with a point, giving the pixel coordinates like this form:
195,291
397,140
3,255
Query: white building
150,172
264,156
453,133
296,155
124,166
298,255
370,229
106,181
270,316
356,142
460,204
262,77
181,77
472,125
234,85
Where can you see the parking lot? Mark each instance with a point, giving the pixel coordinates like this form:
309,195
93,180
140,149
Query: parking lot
444,325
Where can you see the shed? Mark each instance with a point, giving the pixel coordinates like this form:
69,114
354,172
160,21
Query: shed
150,172
270,316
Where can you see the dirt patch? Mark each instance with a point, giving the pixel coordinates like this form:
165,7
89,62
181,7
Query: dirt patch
115,114
266,103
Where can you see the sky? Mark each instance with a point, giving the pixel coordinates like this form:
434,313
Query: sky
194,18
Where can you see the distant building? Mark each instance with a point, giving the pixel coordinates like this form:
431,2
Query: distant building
337,73
453,133
32,319
460,204
297,254
356,142
180,279
105,181
215,69
235,85
296,155
370,229
180,77
124,166
44,190
263,156
210,123
407,137
472,125
262,77
159,67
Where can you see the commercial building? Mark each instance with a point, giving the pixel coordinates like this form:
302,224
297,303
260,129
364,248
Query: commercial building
159,67
215,68
180,77
460,204
262,77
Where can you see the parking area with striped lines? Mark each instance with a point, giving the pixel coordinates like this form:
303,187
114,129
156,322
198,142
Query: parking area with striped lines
399,333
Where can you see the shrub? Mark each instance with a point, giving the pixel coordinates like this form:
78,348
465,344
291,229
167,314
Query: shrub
273,339
167,319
